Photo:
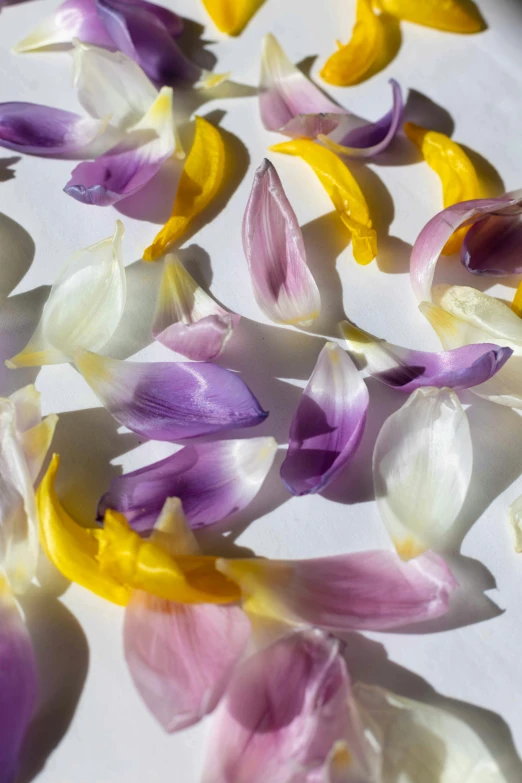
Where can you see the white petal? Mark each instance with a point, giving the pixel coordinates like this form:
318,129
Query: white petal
172,532
27,407
515,521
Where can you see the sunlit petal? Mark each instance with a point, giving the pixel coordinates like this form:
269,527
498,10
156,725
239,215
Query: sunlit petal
353,61
453,16
72,19
231,16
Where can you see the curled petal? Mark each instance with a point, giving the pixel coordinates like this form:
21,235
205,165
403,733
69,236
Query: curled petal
274,248
515,521
422,466
187,319
231,16
328,424
170,401
84,307
212,480
353,61
406,370
200,181
453,16
360,591
72,19
344,191
492,246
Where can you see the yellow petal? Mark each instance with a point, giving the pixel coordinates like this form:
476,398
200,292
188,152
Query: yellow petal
261,581
351,62
454,16
231,16
200,181
457,174
344,191
516,305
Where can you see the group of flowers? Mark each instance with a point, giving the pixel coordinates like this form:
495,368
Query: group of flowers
256,636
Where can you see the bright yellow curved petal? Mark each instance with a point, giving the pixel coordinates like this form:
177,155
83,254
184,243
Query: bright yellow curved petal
201,179
344,191
456,171
231,16
351,62
516,304
454,16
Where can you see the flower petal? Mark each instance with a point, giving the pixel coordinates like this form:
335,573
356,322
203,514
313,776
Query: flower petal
359,591
231,16
516,304
406,370
492,246
344,191
328,424
453,16
212,480
36,443
353,61
200,181
84,307
515,522
72,19
274,249
170,401
422,466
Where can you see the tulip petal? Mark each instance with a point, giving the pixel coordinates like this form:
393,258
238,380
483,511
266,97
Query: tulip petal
353,61
84,307
344,191
36,443
212,480
453,16
492,246
170,401
516,304
231,16
360,591
200,181
72,19
274,249
515,522
328,424
406,370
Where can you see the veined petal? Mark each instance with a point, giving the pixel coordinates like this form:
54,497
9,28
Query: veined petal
200,181
212,480
170,401
453,16
344,191
457,174
352,61
360,591
328,424
515,521
492,246
422,466
187,319
84,307
274,249
72,19
231,16
406,370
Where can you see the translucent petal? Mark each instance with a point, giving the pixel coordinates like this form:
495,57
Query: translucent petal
453,16
231,16
353,61
515,521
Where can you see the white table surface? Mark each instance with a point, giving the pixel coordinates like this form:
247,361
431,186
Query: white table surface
91,726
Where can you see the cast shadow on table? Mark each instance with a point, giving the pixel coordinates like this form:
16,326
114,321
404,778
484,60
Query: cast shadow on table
6,172
193,44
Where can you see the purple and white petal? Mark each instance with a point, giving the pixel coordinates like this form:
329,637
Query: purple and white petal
73,19
493,246
328,424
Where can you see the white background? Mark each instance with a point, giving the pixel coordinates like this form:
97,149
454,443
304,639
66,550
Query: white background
91,726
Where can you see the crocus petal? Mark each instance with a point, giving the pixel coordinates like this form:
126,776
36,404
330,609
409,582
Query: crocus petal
435,234
492,246
73,19
187,319
406,370
274,249
422,466
328,424
360,591
84,307
212,480
453,16
457,174
353,61
231,16
200,181
515,522
42,130
18,683
170,401
344,191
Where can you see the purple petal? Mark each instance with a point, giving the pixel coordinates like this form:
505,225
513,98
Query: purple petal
170,401
328,425
200,341
493,246
73,19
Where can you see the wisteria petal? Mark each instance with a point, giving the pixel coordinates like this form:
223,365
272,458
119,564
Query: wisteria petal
328,424
200,181
72,19
453,16
84,307
493,246
18,683
406,370
231,16
359,591
212,480
436,233
274,249
422,466
344,191
170,400
351,62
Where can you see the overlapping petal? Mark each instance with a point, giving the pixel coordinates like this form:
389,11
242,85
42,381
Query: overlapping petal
406,370
231,16
72,19
351,62
422,466
84,307
212,480
453,16
328,424
493,246
200,181
170,400
274,249
344,191
187,319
